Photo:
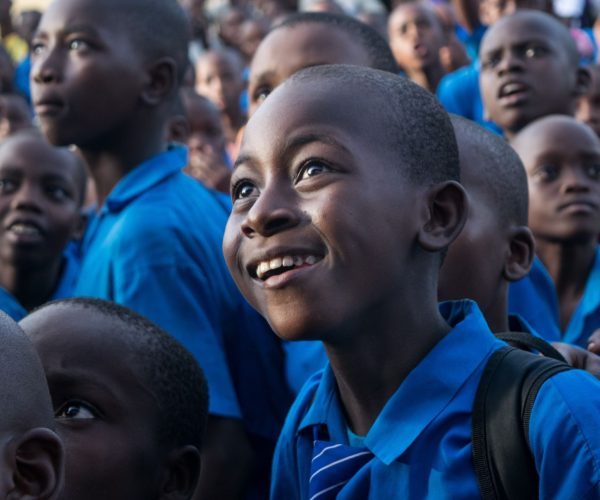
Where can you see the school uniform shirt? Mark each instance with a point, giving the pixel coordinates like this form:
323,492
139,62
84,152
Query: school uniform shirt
420,444
11,306
155,247
535,299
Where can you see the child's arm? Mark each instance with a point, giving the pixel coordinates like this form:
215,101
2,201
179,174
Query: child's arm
579,358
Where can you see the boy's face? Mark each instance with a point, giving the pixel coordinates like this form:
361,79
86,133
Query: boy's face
322,226
14,116
105,414
288,50
415,36
562,161
39,202
525,73
219,78
87,75
206,129
588,106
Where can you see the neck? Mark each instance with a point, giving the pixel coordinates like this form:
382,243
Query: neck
377,354
428,77
496,314
31,287
569,264
113,160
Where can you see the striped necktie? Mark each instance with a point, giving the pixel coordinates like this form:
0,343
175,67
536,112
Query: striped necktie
332,466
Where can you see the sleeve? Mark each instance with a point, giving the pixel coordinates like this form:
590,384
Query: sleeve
564,434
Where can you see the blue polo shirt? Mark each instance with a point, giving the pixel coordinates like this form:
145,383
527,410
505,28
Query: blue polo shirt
421,440
155,246
11,306
535,299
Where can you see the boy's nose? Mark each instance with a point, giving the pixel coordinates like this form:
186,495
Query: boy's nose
45,69
272,213
26,198
576,180
510,62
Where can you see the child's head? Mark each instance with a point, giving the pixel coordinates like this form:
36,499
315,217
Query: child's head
14,115
529,69
130,403
251,34
219,77
311,39
588,105
31,454
333,216
416,36
495,246
102,69
42,189
562,161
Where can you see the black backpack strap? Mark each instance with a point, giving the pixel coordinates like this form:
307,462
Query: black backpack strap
502,459
528,342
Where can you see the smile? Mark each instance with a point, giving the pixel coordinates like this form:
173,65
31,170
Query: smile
25,229
279,265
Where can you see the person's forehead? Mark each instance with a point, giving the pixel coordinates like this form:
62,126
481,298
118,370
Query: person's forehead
518,31
38,156
411,12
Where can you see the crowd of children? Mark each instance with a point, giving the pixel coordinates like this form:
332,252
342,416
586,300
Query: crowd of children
252,255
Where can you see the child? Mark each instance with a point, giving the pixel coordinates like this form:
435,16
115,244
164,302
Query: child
310,39
416,38
155,243
14,115
588,105
529,69
219,77
562,160
130,402
31,454
337,233
41,193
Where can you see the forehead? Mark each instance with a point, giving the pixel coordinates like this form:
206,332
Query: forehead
516,30
288,49
202,115
412,12
216,62
36,156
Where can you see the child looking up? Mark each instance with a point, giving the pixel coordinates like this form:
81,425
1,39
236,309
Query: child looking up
520,54
31,454
416,36
130,402
562,160
41,193
106,77
588,105
337,234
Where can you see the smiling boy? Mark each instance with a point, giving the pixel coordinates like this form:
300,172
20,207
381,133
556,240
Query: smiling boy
353,224
529,69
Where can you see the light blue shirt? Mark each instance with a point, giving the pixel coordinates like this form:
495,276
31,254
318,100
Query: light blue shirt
535,299
155,246
422,438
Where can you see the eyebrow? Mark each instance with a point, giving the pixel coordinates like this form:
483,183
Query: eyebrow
295,143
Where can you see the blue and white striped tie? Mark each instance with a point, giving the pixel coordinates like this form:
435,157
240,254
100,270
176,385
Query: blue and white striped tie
333,465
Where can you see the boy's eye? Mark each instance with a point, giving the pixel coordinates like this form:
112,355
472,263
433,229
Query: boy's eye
490,61
261,94
242,189
77,44
7,186
57,193
593,171
534,51
75,410
546,173
37,48
310,169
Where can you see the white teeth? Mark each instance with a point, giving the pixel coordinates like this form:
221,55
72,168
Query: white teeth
286,261
25,229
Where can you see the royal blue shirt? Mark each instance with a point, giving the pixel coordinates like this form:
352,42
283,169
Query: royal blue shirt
535,299
155,246
421,440
11,306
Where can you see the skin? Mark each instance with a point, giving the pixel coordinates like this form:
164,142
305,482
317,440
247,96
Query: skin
588,105
14,115
287,50
416,37
562,160
40,188
105,412
79,48
314,179
527,50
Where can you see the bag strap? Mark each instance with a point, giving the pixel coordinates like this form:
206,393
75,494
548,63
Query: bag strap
528,342
503,462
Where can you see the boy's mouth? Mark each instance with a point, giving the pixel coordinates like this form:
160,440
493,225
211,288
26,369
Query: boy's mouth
267,268
512,93
25,231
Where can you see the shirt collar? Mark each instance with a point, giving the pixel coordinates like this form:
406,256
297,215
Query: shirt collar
423,395
145,176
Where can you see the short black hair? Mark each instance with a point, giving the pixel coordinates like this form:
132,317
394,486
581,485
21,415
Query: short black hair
159,28
376,47
499,170
415,126
170,371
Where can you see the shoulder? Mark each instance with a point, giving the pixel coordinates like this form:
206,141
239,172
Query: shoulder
564,435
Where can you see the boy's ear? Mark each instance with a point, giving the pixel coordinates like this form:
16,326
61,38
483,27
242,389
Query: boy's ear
38,461
583,81
181,474
520,254
447,212
162,79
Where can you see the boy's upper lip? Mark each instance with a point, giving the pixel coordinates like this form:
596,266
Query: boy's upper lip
578,201
12,221
48,101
